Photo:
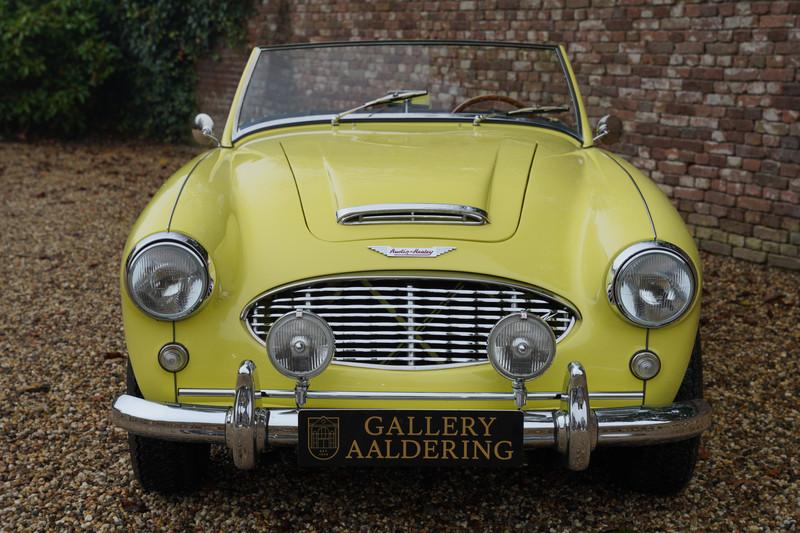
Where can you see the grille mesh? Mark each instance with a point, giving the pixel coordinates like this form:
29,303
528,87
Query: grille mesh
408,322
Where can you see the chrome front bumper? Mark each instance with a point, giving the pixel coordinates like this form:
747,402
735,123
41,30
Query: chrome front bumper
575,430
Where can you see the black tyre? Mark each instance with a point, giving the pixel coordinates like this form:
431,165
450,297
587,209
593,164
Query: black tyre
165,466
662,469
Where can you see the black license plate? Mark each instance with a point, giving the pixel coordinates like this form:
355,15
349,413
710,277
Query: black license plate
332,437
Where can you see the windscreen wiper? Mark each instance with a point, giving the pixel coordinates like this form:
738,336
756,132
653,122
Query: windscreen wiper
535,110
394,96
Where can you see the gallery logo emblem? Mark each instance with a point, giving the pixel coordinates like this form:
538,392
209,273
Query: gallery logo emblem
323,437
392,251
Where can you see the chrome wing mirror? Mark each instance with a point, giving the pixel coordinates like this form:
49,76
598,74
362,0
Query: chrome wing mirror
205,125
608,130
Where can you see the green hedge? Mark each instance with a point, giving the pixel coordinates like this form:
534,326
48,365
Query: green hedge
69,67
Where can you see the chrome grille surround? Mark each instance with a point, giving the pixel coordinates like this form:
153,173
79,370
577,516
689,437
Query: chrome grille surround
411,320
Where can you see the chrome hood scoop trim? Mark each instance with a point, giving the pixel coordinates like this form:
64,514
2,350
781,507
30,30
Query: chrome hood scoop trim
409,213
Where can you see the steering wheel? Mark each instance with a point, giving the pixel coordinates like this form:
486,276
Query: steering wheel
487,98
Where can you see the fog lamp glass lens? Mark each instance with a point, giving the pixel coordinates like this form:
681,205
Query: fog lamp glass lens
168,280
645,365
173,357
300,344
521,346
654,288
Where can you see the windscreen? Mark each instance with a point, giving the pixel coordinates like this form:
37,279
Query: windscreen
522,84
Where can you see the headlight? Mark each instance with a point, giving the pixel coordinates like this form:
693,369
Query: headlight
167,276
300,344
652,284
521,346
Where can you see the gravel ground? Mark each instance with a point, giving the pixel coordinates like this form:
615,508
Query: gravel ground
65,214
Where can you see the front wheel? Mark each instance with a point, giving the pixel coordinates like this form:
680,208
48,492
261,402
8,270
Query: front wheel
165,466
663,469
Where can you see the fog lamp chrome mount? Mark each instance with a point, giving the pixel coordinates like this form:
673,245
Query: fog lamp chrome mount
521,347
301,391
300,345
520,392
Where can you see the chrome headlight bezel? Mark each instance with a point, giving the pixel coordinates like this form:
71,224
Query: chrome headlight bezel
179,240
624,259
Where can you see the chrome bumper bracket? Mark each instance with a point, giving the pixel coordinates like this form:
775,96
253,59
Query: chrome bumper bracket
246,426
575,430
576,427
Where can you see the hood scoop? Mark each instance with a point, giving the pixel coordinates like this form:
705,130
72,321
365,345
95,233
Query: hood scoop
412,214
419,184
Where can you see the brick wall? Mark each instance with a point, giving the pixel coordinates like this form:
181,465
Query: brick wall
709,91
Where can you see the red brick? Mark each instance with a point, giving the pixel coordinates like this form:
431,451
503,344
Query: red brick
753,204
702,171
777,74
736,227
720,198
687,193
777,21
672,167
708,73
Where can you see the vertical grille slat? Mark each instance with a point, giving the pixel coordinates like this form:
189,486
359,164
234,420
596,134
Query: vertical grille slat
408,322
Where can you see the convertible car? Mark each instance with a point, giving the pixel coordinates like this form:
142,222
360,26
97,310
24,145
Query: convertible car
411,253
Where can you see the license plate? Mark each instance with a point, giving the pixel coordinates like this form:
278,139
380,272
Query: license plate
332,437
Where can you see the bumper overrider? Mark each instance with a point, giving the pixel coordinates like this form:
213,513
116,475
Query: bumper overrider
574,430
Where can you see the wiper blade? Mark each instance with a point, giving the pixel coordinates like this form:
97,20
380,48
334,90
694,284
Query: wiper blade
394,96
534,110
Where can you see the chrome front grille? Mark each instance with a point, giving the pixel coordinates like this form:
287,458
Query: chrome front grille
408,322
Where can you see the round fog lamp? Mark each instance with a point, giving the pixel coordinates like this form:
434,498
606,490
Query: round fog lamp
521,346
645,365
300,344
173,357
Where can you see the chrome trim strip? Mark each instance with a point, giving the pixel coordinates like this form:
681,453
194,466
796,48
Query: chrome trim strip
407,368
236,133
312,120
387,395
455,276
412,213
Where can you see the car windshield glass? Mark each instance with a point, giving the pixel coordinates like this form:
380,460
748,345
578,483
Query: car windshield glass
462,80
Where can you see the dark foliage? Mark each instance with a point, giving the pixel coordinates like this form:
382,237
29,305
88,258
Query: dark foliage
68,66
54,59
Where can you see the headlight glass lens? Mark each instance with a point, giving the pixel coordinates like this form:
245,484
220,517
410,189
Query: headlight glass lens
654,288
521,346
168,280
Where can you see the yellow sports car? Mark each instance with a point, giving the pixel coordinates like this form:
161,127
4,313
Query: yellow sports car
411,253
